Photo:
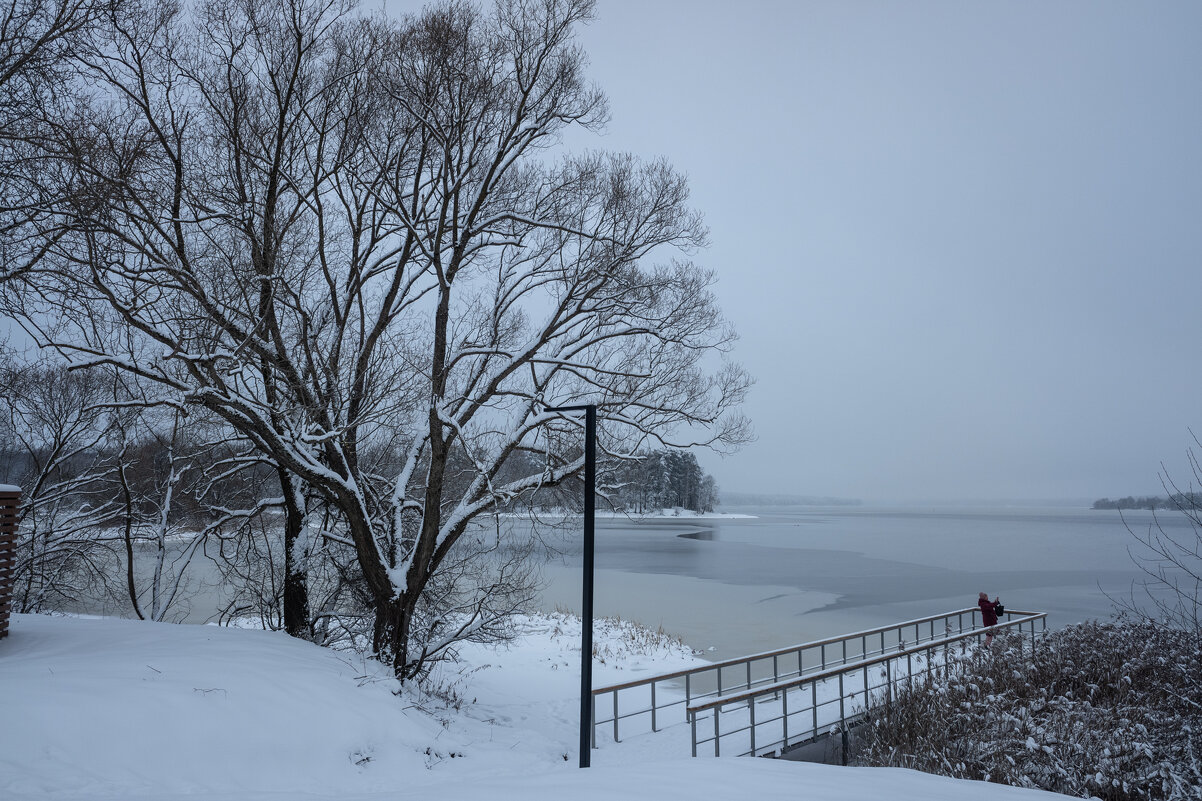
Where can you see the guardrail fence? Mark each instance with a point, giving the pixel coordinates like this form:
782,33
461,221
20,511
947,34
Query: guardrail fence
773,717
645,703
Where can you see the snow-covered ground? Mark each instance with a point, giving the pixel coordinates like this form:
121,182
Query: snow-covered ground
102,708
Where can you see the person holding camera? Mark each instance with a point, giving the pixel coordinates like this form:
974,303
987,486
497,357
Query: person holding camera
989,613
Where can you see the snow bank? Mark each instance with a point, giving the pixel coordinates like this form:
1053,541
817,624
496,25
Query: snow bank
124,708
105,708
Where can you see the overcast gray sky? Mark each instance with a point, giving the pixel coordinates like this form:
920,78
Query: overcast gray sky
961,241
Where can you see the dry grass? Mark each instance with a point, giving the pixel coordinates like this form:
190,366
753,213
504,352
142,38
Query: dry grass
1106,710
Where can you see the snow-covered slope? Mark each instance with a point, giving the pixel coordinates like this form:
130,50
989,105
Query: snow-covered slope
105,708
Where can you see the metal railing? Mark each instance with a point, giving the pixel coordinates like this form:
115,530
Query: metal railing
815,702
640,698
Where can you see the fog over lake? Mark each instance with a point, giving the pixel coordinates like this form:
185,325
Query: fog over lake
795,574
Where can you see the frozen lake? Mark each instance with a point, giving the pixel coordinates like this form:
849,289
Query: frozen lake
736,586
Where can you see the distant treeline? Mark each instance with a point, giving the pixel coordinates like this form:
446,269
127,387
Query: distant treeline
664,480
648,483
760,499
1179,500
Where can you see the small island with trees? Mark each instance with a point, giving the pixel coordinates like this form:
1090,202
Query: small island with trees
1176,501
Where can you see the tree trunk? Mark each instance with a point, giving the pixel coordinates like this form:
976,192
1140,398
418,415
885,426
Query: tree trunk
296,589
392,629
128,504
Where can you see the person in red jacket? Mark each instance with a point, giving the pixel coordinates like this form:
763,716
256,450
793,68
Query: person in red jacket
988,615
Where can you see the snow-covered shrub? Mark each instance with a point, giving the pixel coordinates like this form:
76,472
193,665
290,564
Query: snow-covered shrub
617,641
1106,710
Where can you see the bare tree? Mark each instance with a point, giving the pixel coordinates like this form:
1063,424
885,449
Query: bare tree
56,433
155,486
98,478
350,240
259,537
1170,558
38,39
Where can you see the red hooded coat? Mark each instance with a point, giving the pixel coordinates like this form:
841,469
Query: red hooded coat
988,611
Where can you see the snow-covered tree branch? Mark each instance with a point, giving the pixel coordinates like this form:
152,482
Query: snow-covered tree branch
354,242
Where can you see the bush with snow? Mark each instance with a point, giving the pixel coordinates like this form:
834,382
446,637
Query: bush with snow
1107,710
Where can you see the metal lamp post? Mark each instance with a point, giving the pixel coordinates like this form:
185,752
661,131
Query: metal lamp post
586,612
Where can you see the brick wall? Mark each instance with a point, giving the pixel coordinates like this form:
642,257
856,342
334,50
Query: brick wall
9,498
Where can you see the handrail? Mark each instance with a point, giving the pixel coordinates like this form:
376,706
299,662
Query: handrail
780,691
789,650
855,646
788,684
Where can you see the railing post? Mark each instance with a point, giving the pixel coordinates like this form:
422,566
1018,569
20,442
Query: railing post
717,735
593,721
814,704
616,740
653,729
751,707
784,718
688,694
692,716
749,674
842,712
824,654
